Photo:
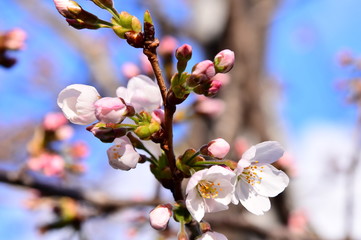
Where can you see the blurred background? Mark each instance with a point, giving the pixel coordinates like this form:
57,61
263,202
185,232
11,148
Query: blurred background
295,80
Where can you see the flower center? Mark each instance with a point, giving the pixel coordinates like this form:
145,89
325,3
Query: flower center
208,189
250,174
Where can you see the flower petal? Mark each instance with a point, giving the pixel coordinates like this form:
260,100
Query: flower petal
193,181
195,205
122,92
122,154
212,205
265,152
273,181
77,102
253,202
215,172
144,94
225,191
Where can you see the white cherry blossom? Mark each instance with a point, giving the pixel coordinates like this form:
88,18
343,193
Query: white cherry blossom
77,102
257,179
122,154
142,93
209,190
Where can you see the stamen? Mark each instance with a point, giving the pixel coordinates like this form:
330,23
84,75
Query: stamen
207,189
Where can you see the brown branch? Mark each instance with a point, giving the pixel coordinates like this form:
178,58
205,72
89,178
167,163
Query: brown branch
150,50
93,198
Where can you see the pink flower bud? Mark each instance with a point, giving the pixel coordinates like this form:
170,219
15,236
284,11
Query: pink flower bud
215,87
206,68
110,110
79,150
224,61
184,52
224,78
108,133
130,70
159,216
14,39
158,115
167,45
51,164
53,121
218,148
66,8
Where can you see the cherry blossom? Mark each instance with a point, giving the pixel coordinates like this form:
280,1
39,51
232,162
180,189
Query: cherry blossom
51,164
257,179
77,102
142,93
122,154
209,190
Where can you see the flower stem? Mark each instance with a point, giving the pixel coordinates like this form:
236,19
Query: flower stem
197,164
150,50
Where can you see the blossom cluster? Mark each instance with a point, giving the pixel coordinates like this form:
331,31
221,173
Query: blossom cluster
50,151
140,117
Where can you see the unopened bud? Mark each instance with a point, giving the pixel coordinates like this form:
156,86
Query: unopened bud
67,8
106,134
184,52
148,17
206,68
144,132
159,216
120,31
103,3
136,24
196,79
110,110
158,115
77,24
14,39
215,87
217,148
125,20
223,61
